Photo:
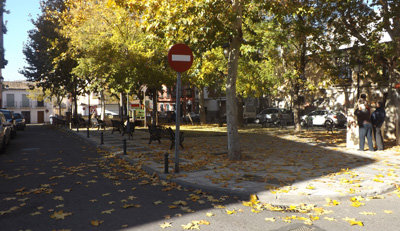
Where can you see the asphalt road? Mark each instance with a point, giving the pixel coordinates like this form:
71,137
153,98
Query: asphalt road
45,171
52,180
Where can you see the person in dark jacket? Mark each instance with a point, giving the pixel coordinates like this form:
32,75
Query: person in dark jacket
377,119
364,126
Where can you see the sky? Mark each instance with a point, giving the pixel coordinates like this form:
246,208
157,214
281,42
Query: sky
18,23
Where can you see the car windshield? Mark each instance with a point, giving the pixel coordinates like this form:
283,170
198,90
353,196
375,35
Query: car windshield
7,114
17,116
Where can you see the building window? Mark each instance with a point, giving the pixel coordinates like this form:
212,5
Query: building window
25,101
10,100
40,103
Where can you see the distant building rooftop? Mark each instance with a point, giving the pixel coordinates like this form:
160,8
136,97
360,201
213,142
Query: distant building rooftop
17,85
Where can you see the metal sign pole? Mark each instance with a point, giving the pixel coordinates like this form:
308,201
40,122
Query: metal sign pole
177,120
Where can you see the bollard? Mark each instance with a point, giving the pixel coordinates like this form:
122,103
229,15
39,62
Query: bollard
77,128
101,138
166,162
124,146
70,126
87,132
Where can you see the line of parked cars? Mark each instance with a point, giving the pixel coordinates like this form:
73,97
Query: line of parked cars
279,116
10,122
274,116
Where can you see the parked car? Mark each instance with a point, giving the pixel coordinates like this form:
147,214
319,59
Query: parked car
10,121
5,132
19,121
324,118
276,116
194,116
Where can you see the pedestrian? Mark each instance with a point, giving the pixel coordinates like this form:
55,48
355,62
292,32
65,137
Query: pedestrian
377,119
364,125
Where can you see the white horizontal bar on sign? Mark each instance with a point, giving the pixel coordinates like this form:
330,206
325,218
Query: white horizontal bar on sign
181,58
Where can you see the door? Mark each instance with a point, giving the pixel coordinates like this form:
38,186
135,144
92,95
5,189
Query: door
27,116
320,118
40,117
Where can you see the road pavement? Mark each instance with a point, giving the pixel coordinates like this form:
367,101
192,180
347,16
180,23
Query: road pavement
53,179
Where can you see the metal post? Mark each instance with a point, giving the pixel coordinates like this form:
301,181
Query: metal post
87,132
166,162
101,138
177,119
358,84
124,146
77,128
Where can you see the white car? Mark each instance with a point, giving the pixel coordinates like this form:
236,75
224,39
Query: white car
323,118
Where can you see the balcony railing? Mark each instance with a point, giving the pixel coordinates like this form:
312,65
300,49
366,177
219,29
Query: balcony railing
27,105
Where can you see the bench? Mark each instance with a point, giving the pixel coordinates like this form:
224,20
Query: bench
78,122
120,126
129,128
58,121
97,123
117,125
158,132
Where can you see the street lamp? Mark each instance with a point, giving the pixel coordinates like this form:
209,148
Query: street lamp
358,69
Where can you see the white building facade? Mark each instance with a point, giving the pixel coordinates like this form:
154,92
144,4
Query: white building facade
15,98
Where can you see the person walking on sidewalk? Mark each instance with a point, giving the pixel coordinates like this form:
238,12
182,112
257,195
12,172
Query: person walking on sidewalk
377,119
364,125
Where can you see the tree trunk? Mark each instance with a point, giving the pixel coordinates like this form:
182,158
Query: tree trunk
75,114
234,152
154,114
202,106
240,103
59,108
120,104
103,105
300,83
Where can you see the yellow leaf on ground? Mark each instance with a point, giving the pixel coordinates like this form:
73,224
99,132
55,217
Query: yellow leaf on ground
108,211
229,212
60,215
331,202
310,187
330,218
388,211
166,225
270,219
254,198
247,203
191,226
180,203
255,211
96,222
60,198
357,204
210,214
201,222
36,213
157,202
353,221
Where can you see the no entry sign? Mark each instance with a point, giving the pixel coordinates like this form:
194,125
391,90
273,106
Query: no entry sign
180,57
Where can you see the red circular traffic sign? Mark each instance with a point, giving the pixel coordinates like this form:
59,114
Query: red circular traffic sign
180,57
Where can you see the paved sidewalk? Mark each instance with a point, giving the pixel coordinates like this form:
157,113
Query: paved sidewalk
295,171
